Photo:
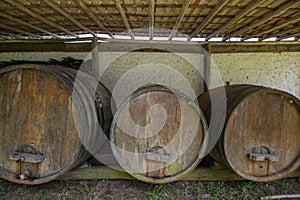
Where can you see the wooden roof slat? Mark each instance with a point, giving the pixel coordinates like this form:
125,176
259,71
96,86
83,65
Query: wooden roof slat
208,18
267,17
254,4
68,16
12,35
39,17
151,18
183,10
82,4
277,26
124,18
283,32
2,14
19,31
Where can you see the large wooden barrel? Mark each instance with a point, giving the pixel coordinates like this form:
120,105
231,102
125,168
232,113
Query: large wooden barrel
157,135
260,139
44,119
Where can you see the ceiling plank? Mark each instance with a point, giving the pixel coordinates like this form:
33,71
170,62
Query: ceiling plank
183,10
84,7
151,18
6,34
68,16
254,4
39,17
124,18
267,17
284,32
19,31
283,24
208,18
12,18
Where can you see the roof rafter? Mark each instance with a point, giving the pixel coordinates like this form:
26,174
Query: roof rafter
283,32
124,18
12,18
183,10
19,31
84,7
277,26
39,17
254,4
12,35
208,18
151,18
267,17
68,16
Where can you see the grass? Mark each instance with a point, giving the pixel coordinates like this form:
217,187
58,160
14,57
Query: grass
157,192
137,190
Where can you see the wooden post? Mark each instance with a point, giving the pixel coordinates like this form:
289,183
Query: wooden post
95,57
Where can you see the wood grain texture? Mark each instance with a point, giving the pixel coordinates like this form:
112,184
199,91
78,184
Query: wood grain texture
258,120
40,115
158,136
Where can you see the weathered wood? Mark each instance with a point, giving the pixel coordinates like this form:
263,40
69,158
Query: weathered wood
49,120
254,4
199,174
82,4
266,17
209,17
27,24
19,31
277,27
183,10
293,30
151,18
68,16
124,18
158,136
214,47
39,17
260,135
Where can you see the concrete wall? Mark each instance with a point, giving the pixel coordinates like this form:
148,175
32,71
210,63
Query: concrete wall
276,70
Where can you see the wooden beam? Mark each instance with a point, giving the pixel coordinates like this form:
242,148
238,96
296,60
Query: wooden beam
68,16
199,174
124,18
254,4
95,58
84,7
6,34
277,26
183,10
2,14
208,18
151,18
266,18
39,17
19,31
283,32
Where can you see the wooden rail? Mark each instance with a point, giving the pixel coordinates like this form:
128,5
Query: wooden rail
200,174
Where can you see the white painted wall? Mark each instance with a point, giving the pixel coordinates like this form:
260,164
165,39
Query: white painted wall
275,70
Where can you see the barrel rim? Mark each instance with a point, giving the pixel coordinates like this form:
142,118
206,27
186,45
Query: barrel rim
182,172
6,173
280,174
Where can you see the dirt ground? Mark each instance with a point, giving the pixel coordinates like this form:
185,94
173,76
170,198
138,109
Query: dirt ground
121,189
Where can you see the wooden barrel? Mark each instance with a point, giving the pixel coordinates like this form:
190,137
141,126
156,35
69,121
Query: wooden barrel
44,119
158,135
261,134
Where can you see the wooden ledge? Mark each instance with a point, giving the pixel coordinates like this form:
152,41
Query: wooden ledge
200,174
